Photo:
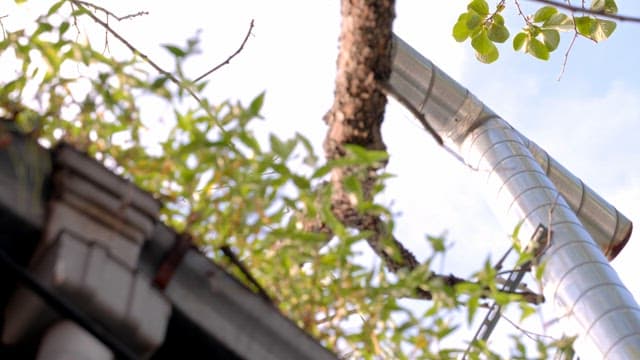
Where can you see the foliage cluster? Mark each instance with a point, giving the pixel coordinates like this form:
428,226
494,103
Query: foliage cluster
541,33
222,185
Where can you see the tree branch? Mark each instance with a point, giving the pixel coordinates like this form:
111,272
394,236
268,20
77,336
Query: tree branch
521,13
180,83
407,261
588,11
528,333
229,58
364,62
108,12
566,55
4,33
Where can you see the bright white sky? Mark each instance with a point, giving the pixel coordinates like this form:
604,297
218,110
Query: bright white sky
589,121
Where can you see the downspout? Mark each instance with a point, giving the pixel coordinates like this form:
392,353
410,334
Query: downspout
577,277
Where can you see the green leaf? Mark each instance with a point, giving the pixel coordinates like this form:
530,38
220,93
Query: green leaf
79,11
595,29
472,306
559,21
536,48
604,29
486,50
498,33
322,171
481,43
544,13
437,243
551,39
610,7
585,25
54,8
498,19
159,82
301,182
281,148
250,141
460,29
605,6
479,6
597,5
526,310
473,20
43,27
176,51
519,41
64,26
256,105
367,156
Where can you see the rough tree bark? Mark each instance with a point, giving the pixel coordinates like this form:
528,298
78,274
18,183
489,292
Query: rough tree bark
364,62
364,65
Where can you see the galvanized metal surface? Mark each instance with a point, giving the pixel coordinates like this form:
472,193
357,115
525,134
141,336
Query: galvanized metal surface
608,226
577,277
443,105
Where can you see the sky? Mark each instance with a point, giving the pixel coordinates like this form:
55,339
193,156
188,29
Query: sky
588,121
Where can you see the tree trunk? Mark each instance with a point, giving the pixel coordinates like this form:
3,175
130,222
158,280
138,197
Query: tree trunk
364,62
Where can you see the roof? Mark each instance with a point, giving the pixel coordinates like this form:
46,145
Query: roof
211,312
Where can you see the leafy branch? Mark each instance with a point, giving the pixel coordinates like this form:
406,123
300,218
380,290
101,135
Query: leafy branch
540,35
183,84
110,13
601,9
228,60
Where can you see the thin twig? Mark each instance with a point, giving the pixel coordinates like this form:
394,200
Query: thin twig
229,58
226,250
550,219
4,33
566,55
417,114
530,334
525,17
108,12
499,7
157,67
498,265
589,11
106,40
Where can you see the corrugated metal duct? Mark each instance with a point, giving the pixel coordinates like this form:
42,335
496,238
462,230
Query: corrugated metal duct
532,189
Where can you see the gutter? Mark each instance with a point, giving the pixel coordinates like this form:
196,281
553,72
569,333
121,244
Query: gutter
245,323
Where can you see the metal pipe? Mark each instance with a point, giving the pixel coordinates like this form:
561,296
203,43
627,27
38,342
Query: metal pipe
443,105
608,226
577,277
